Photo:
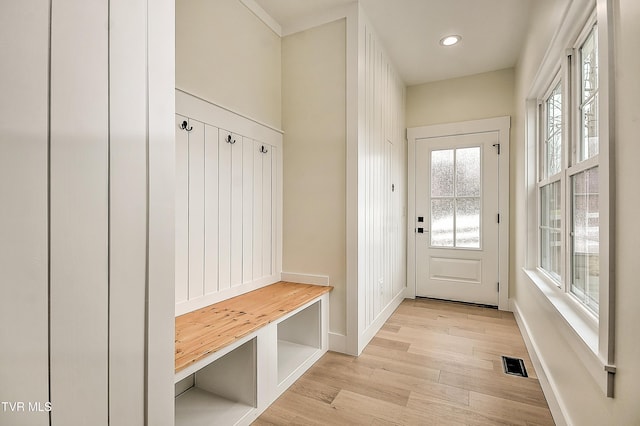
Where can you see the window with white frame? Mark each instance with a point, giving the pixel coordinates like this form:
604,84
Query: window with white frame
570,202
568,190
550,183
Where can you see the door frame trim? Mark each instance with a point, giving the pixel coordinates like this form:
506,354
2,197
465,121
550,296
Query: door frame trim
502,126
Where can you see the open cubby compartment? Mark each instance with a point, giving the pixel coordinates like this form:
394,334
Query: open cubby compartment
299,339
221,393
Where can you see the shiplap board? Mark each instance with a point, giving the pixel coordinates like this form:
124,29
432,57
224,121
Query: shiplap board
236,210
160,28
267,212
224,210
211,207
196,209
182,211
23,210
127,210
257,211
247,209
79,148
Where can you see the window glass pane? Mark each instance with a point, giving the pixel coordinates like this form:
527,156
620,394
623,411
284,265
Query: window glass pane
553,151
468,222
588,146
550,229
468,172
590,128
442,211
585,251
589,55
442,173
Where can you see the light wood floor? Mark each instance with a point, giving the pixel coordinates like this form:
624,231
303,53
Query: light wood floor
432,363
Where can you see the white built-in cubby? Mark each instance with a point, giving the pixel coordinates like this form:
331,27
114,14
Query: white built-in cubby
224,392
298,340
234,385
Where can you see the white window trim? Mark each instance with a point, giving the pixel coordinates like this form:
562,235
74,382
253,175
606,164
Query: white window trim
592,339
549,179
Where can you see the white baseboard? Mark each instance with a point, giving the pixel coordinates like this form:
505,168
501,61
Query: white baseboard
294,277
337,342
548,388
375,326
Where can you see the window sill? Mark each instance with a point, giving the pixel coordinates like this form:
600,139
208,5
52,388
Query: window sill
577,326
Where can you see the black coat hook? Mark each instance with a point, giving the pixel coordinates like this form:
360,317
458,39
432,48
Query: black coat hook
184,125
229,140
263,149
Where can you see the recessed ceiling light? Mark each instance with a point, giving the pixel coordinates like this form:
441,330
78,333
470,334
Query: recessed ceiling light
450,40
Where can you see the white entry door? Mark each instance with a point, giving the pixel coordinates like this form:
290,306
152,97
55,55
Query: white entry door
456,213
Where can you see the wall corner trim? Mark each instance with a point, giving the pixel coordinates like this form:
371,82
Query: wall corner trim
262,14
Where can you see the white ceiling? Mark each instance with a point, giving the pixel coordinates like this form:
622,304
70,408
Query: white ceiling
492,32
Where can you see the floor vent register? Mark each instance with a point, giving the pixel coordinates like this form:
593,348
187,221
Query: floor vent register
514,366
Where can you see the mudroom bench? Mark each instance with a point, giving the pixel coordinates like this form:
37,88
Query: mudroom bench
235,357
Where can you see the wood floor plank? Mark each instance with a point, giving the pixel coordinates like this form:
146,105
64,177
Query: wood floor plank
397,366
506,388
445,413
390,344
504,408
432,363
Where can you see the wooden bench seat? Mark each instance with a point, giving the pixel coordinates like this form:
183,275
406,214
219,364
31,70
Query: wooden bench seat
207,330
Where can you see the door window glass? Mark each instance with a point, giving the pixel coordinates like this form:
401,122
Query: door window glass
456,197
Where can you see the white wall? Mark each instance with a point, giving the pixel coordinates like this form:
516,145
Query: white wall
473,97
227,55
314,122
582,400
343,118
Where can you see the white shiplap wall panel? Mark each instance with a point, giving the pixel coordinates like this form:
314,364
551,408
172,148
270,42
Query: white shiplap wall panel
24,297
234,204
79,209
257,212
236,210
127,210
267,212
196,209
182,211
224,209
247,209
211,208
381,165
273,235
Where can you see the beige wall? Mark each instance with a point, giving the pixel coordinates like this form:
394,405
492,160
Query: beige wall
461,99
228,56
313,117
583,400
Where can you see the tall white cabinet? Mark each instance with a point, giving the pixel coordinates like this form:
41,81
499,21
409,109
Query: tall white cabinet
228,204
